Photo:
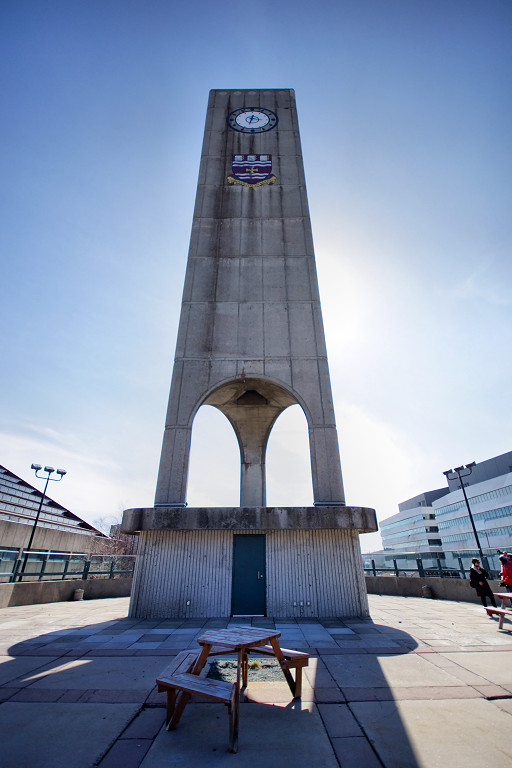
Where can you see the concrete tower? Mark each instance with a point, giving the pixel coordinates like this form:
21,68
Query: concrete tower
250,343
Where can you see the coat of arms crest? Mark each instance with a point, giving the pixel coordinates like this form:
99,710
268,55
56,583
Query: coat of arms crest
251,170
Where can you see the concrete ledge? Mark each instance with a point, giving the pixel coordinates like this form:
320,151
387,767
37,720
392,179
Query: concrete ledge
361,519
410,586
35,592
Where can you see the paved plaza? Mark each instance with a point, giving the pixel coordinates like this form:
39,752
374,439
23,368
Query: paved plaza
422,684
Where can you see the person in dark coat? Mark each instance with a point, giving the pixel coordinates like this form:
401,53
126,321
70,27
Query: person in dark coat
478,579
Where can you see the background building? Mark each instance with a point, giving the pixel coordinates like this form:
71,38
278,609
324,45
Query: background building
413,532
58,530
435,525
489,492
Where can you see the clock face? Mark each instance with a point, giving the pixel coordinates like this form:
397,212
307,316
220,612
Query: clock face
252,120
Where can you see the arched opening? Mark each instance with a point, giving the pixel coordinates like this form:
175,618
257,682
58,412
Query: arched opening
214,467
252,405
288,464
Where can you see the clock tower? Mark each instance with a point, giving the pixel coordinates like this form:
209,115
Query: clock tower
250,343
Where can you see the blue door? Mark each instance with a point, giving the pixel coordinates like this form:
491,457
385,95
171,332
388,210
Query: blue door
248,592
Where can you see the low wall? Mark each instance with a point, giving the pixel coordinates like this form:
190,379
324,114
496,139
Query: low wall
35,592
409,586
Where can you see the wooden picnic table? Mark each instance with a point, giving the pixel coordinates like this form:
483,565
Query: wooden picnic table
239,640
504,596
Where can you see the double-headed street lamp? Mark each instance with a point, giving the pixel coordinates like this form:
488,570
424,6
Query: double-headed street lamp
461,472
49,471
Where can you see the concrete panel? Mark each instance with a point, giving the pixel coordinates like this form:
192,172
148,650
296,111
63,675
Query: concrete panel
274,279
204,280
302,330
287,170
222,369
194,333
230,238
173,472
305,382
251,279
294,240
211,169
277,331
227,287
298,285
273,234
195,380
225,329
250,330
291,203
251,240
206,238
278,370
232,197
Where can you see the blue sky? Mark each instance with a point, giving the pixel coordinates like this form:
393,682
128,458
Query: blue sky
405,114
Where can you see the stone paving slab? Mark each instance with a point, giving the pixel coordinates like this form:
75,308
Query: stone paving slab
12,668
270,737
493,668
59,735
101,673
458,733
393,672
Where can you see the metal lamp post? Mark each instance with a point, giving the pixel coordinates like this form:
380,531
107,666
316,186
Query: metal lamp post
49,471
461,472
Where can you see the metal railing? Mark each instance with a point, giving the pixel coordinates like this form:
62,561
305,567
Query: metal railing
430,567
53,566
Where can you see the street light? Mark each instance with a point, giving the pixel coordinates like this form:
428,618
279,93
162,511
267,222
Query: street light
461,472
49,471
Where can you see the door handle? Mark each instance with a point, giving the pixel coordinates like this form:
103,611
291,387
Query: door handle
260,575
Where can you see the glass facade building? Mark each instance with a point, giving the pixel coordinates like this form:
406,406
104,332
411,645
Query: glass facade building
436,526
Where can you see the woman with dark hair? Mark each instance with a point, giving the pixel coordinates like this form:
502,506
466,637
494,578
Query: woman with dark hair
478,579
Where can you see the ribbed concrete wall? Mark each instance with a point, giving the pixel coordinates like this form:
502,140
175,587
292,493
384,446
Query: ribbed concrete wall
183,574
322,569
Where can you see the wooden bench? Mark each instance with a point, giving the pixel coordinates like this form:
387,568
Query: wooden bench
178,677
292,660
501,612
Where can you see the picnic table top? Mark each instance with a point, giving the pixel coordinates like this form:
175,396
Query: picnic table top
238,637
503,594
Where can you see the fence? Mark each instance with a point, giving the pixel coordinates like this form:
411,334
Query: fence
431,566
51,566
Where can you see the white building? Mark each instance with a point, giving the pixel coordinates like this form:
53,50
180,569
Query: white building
435,525
489,492
413,532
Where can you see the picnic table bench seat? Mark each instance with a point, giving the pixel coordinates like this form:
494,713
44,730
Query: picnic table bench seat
178,676
501,612
292,660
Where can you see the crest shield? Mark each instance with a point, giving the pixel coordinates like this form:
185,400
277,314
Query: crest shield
251,170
